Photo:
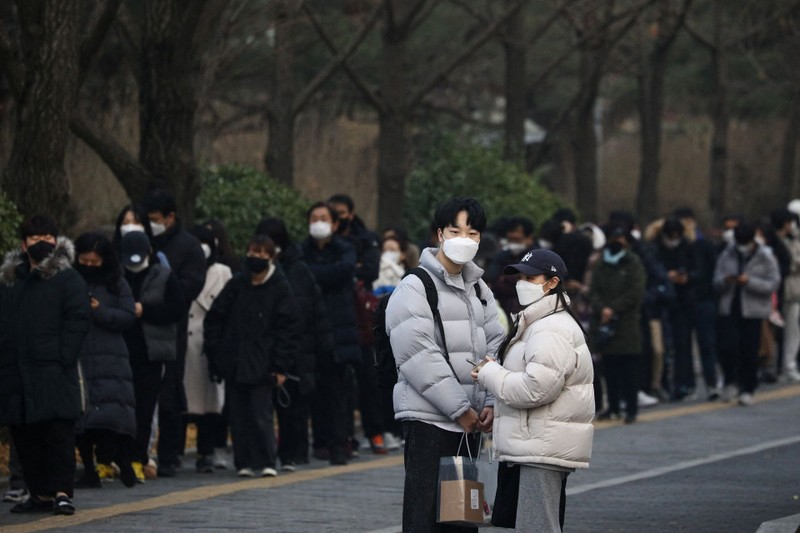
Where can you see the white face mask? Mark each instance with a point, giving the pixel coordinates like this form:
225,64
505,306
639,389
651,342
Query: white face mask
391,257
157,228
514,247
206,249
744,249
727,236
636,234
140,267
128,228
672,243
460,250
528,293
547,245
320,230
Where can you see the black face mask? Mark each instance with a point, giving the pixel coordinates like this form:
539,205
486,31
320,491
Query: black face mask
344,225
614,247
40,251
256,265
91,274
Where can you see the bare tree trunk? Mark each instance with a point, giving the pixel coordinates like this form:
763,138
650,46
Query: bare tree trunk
515,86
584,140
788,186
394,138
651,103
718,183
168,100
279,158
34,177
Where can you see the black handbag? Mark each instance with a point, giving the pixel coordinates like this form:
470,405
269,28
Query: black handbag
504,513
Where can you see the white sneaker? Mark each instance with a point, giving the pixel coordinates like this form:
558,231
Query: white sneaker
246,472
16,495
390,441
791,376
729,393
269,472
745,399
645,400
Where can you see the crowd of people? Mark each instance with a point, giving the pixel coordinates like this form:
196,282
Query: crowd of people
112,344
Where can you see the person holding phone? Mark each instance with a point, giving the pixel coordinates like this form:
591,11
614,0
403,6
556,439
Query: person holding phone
544,397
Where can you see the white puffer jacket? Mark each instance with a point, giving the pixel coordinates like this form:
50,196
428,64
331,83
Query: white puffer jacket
544,398
426,388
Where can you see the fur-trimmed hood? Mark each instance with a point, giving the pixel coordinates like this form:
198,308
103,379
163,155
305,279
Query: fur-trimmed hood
15,260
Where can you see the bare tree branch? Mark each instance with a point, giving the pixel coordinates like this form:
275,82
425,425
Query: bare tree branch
335,63
91,45
374,99
468,50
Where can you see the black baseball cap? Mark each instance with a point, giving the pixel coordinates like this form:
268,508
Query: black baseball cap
134,248
539,261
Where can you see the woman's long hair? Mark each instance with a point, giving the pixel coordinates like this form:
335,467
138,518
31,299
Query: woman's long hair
561,295
99,244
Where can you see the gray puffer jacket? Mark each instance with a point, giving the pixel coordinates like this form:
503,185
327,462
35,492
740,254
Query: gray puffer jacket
764,278
426,388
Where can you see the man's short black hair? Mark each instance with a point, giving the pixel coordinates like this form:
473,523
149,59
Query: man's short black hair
38,224
779,217
447,213
619,217
565,214
521,222
159,200
744,233
274,228
672,226
326,205
344,200
261,243
684,212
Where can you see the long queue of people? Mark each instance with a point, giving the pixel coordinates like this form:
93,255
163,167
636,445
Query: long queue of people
113,344
652,298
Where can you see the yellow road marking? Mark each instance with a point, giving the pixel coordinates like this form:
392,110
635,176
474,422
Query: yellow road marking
212,491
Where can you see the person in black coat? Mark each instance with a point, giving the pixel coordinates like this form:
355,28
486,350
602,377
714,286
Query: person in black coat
368,258
332,261
44,317
109,424
159,307
251,337
188,262
316,343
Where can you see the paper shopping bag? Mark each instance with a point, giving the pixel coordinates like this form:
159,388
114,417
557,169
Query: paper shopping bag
460,497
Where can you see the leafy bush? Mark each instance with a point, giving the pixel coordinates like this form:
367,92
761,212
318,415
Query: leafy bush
10,220
450,168
241,196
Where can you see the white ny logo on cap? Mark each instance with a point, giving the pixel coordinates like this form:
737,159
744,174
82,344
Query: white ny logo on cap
553,269
527,256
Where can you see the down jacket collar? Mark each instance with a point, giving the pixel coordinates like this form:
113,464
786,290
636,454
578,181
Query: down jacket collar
16,264
470,273
537,310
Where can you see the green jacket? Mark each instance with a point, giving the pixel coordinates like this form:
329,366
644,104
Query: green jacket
620,287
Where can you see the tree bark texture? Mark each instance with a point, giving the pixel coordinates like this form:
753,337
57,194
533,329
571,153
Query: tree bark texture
791,137
394,138
170,75
584,140
279,159
720,117
34,177
515,86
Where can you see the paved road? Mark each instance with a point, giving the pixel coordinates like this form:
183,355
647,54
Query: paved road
695,467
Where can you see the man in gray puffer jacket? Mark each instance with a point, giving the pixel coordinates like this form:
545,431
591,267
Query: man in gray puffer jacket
435,396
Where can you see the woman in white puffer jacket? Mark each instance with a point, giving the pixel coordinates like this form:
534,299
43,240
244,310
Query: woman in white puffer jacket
544,398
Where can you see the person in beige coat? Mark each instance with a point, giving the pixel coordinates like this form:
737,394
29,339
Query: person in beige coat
205,392
544,397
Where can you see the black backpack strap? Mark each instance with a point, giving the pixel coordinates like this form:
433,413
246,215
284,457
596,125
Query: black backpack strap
433,301
478,293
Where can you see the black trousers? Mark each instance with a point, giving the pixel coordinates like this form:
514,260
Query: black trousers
146,386
425,444
622,382
739,339
46,451
171,406
251,425
329,408
292,424
104,444
364,396
207,429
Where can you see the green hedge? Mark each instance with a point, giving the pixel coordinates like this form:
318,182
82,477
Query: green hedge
241,196
449,167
